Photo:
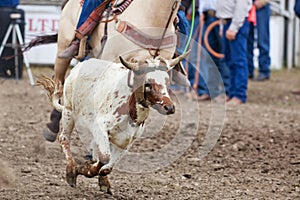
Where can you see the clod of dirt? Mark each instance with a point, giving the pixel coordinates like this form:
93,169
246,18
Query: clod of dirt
7,178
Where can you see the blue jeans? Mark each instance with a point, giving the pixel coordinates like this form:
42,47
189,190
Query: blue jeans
236,60
210,67
184,28
263,42
88,7
218,66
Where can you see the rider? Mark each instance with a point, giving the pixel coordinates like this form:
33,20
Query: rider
89,18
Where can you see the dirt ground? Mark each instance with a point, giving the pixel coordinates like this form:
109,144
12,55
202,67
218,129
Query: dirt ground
256,157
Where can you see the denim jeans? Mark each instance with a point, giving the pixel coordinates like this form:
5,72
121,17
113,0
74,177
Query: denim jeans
218,80
263,42
236,60
210,81
88,7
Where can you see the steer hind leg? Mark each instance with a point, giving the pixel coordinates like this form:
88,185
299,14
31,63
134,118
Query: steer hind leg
64,140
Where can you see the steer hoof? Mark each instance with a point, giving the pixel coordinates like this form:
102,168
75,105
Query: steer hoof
49,135
105,170
104,184
106,189
71,179
71,175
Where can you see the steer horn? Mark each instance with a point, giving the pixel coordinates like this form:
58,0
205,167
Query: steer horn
130,65
174,61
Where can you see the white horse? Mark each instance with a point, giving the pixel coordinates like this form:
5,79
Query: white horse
150,17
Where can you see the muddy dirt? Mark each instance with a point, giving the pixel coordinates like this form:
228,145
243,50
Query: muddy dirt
256,157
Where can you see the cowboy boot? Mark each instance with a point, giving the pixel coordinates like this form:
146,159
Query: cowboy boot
50,133
84,30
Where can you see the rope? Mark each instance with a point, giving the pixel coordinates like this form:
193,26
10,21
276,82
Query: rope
206,42
197,73
192,27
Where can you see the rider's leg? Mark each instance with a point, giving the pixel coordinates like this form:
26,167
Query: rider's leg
88,20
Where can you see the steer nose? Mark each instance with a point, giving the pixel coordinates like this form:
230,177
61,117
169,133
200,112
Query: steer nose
170,109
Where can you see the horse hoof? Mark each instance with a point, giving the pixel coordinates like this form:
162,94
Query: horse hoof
49,135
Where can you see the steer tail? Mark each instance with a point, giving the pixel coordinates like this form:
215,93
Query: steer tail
55,91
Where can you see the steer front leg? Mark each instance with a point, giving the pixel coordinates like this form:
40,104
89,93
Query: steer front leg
104,184
103,181
115,156
101,153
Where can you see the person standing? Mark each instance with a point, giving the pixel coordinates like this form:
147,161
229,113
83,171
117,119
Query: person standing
233,14
208,85
207,10
263,14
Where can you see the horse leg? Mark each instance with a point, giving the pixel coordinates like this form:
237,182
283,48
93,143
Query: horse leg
60,69
52,127
64,140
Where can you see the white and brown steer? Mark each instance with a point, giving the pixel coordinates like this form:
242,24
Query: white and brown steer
99,102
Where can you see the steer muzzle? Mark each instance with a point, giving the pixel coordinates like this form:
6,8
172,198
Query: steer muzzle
164,109
169,109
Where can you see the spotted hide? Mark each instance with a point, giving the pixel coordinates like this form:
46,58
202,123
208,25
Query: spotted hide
99,102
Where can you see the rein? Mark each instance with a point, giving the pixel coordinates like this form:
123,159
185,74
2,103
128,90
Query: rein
165,30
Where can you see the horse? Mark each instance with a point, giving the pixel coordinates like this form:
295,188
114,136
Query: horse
149,17
144,30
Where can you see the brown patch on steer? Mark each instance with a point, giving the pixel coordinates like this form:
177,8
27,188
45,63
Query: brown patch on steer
155,95
127,108
167,101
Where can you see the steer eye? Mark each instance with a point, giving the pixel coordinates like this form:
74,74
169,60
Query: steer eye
148,87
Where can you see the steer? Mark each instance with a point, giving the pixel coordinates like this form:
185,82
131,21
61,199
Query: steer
99,101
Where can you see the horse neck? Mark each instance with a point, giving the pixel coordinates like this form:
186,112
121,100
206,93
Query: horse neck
150,13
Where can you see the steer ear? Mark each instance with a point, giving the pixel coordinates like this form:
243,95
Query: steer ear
130,65
180,79
175,61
